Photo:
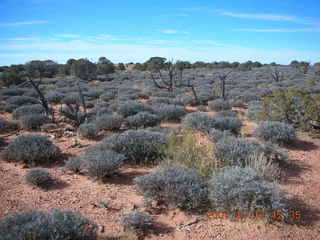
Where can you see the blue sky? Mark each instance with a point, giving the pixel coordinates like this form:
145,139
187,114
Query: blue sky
133,31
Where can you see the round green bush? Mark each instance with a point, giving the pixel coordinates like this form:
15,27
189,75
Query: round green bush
32,121
28,110
142,119
136,220
200,121
88,130
39,177
7,126
31,149
231,151
176,185
74,164
242,189
38,225
101,164
215,134
109,122
219,105
139,146
276,132
170,112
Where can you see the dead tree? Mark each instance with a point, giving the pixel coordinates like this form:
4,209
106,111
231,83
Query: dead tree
275,74
222,82
165,84
43,100
73,110
175,80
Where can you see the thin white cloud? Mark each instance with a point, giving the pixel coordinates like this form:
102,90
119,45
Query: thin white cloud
124,52
14,24
270,17
173,31
208,42
278,30
105,37
67,35
21,39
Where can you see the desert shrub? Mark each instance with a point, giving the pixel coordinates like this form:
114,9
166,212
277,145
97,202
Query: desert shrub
219,105
178,186
215,134
39,177
131,108
293,106
237,103
167,101
170,112
54,97
226,113
183,149
27,110
73,114
22,100
232,151
7,107
39,225
204,122
200,121
32,93
253,112
108,95
142,119
267,168
136,221
32,121
243,189
93,93
228,123
109,122
90,104
31,149
88,130
100,111
274,131
7,126
74,164
103,163
139,146
9,92
72,99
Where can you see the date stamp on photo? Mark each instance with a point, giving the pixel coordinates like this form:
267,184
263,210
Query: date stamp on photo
278,215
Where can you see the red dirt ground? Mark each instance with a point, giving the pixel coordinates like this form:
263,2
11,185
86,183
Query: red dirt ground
79,193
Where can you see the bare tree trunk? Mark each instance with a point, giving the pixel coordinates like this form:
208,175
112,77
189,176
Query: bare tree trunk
43,100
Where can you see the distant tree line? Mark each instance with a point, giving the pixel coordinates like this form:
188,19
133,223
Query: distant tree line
161,63
81,68
87,70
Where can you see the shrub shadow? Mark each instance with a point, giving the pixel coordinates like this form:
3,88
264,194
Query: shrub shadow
58,185
124,178
302,214
301,145
292,171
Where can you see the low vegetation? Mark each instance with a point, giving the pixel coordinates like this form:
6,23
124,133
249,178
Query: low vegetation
31,149
39,177
240,190
38,225
176,185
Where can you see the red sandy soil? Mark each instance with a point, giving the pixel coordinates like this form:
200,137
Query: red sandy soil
82,194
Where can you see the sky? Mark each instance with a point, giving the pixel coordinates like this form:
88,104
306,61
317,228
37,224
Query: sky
133,31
